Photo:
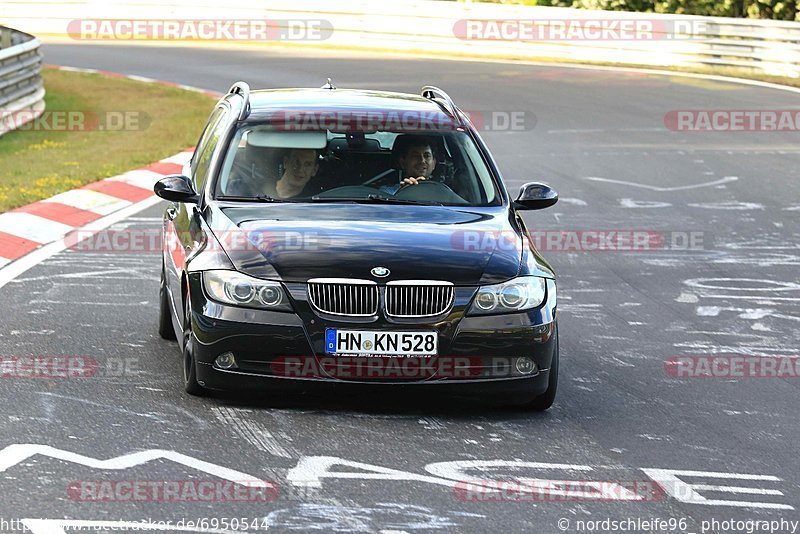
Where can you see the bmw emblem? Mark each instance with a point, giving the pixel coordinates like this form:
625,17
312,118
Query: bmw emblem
380,272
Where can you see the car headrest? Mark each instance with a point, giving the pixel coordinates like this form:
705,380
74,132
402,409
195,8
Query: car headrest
339,144
404,141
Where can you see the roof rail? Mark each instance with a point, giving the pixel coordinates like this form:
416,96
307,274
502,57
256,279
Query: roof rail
444,100
241,88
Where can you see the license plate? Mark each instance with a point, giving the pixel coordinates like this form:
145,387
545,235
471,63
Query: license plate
380,343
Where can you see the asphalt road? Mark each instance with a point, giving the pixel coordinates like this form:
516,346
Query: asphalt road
600,139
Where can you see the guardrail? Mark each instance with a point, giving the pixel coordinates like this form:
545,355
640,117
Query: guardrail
21,86
762,46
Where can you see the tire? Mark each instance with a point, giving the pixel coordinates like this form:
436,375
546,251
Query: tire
545,400
165,328
190,384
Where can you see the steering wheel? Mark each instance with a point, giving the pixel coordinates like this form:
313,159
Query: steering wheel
379,177
433,191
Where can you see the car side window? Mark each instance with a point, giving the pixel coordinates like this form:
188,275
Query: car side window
205,148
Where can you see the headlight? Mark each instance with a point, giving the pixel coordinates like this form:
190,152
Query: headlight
231,287
519,294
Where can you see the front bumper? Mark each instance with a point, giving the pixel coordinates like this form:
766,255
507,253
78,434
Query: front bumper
475,353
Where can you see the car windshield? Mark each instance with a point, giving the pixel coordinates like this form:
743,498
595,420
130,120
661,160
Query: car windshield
434,168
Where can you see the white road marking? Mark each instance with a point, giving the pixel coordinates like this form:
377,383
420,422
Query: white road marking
457,470
737,489
573,201
630,203
432,423
604,130
79,69
144,79
741,284
743,313
733,205
310,471
724,180
18,453
684,492
769,300
707,347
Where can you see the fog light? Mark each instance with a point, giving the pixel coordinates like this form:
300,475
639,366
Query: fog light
525,366
226,361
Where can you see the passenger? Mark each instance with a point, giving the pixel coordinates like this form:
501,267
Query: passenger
297,179
300,167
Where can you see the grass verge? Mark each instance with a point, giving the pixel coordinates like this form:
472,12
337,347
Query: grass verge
126,124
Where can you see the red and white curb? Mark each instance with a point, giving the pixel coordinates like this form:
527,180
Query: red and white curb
33,233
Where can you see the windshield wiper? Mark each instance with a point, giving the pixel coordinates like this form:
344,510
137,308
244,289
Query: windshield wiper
374,199
257,198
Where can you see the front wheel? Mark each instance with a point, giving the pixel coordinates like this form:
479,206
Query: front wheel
190,384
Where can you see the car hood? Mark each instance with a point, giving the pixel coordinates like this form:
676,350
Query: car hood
297,242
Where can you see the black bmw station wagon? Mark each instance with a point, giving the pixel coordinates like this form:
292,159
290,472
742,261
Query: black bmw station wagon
330,236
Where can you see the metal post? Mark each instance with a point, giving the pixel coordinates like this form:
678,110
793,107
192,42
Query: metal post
5,38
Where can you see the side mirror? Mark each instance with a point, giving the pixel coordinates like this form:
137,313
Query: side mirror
176,188
535,196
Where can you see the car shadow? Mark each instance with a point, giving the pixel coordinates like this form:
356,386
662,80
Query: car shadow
391,401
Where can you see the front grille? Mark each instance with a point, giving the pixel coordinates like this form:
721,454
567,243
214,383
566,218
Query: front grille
418,298
345,296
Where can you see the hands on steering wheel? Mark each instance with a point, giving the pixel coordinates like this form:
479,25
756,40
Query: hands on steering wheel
411,181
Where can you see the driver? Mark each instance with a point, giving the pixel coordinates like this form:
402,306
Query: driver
416,158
